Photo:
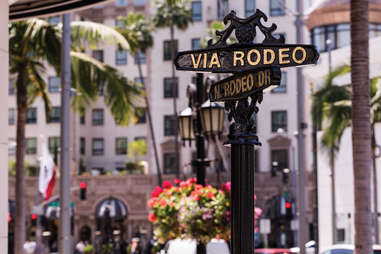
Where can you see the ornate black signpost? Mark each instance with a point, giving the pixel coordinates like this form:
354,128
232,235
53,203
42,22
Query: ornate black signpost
255,67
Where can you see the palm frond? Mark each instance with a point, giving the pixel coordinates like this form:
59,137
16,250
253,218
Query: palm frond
94,34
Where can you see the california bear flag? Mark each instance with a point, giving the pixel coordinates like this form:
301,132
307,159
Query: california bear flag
47,174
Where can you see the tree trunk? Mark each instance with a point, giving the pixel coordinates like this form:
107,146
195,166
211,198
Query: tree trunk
333,195
21,93
375,187
361,130
148,108
174,100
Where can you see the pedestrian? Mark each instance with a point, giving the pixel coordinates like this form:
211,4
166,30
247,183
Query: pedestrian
79,247
135,248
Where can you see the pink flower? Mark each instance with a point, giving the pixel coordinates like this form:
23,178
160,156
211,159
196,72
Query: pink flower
183,185
226,186
167,184
156,192
176,181
163,202
152,202
210,194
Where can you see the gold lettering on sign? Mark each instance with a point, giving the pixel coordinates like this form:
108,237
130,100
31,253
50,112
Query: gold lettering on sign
261,79
284,53
249,57
232,87
195,64
238,56
214,61
250,82
226,90
304,55
238,87
267,77
266,53
244,83
205,60
217,92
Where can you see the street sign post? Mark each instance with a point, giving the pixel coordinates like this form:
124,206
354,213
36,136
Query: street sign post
254,67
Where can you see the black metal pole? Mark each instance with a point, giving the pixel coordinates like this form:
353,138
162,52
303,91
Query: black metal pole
242,198
200,141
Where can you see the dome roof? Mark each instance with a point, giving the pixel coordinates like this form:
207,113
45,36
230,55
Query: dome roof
112,207
330,12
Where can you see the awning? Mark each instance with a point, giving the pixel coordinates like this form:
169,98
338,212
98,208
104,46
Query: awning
115,208
23,9
317,73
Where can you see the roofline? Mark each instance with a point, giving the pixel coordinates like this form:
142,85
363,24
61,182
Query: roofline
49,8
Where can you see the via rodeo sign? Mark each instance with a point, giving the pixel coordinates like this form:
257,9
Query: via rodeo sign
260,62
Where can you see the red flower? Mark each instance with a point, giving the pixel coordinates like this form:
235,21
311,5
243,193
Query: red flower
151,202
162,202
176,181
183,185
156,192
226,186
152,217
198,187
167,184
210,194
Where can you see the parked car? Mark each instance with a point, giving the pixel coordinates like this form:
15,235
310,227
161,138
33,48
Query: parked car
272,251
347,249
190,247
310,248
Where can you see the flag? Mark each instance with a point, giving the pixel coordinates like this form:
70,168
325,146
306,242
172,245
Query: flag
47,173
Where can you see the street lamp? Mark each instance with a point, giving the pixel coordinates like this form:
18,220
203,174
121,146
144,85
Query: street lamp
201,119
212,119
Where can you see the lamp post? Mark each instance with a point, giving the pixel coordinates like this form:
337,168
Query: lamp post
201,119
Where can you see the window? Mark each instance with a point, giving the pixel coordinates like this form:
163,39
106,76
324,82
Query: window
120,57
31,145
101,88
222,8
82,116
170,125
249,7
141,115
97,116
120,3
121,146
171,163
140,81
54,84
278,120
54,144
282,88
280,156
140,57
140,138
168,47
11,116
11,88
98,54
277,7
55,115
54,20
196,11
82,145
196,43
11,146
31,115
98,146
139,2
341,235
171,87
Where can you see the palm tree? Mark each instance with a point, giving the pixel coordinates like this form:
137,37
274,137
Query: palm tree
34,43
173,14
138,32
330,93
339,117
361,130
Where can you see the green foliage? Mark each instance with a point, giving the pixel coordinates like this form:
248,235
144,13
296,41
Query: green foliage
137,149
107,249
172,13
212,36
137,30
30,169
89,249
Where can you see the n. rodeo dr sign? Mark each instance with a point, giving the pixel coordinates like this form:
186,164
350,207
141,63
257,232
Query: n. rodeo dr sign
244,84
238,58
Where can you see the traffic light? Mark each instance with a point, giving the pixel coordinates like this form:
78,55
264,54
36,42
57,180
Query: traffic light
83,187
289,213
34,219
